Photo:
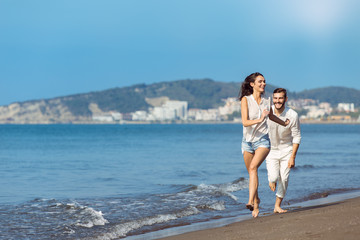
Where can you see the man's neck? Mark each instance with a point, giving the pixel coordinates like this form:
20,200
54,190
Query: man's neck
279,111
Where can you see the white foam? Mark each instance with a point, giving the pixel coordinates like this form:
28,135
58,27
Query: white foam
220,206
193,197
122,229
69,231
86,216
92,218
225,188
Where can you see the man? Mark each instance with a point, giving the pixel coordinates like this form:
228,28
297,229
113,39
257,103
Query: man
285,143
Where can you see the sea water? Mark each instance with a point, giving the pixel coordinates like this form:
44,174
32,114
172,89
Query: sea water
115,181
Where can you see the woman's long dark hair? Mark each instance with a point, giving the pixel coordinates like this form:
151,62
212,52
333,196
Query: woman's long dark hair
246,89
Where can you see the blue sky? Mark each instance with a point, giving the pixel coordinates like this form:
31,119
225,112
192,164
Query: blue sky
57,48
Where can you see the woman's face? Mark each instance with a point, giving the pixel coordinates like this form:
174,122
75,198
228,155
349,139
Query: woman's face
259,84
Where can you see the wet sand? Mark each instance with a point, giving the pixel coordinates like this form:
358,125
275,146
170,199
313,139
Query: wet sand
331,221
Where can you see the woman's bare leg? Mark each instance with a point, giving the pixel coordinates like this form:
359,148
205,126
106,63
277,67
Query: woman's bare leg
257,160
247,159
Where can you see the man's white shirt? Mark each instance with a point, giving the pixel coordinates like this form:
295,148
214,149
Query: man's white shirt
283,138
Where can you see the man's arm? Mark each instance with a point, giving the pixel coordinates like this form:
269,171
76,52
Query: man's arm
291,162
295,133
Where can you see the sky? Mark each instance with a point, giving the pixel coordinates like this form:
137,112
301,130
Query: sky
57,48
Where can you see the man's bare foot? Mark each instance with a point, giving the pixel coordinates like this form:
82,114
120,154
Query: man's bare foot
272,186
279,210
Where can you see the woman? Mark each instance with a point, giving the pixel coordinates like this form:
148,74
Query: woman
256,143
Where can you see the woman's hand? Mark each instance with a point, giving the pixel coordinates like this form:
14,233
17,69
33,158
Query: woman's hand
264,114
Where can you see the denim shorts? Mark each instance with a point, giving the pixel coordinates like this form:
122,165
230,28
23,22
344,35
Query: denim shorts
250,147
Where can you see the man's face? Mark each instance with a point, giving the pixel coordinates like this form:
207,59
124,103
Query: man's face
279,100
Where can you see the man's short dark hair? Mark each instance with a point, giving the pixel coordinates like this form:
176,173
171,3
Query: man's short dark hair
281,90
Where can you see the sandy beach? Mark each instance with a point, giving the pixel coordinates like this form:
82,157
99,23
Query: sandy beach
331,221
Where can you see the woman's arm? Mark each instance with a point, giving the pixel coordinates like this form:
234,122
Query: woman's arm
274,118
245,114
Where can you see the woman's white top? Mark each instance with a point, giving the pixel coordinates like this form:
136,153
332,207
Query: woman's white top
254,132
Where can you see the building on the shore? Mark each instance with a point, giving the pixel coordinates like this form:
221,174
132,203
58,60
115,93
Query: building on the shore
231,105
163,113
314,112
180,108
168,111
346,107
343,118
171,110
108,117
139,116
103,118
204,114
326,107
116,116
301,103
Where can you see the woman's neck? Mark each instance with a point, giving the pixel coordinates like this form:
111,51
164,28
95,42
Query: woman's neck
257,96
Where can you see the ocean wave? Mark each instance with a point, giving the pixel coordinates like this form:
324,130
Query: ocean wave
301,167
218,206
122,229
223,189
304,153
58,218
164,210
118,217
310,167
78,214
90,218
322,194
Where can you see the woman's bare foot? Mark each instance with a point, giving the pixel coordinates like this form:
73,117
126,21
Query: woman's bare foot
255,212
279,210
255,205
272,186
250,206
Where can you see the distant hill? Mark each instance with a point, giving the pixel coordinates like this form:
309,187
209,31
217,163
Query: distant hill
202,93
332,95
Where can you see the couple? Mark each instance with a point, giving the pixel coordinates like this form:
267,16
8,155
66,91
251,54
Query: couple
264,127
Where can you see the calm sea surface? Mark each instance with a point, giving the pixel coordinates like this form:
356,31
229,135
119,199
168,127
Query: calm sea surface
114,181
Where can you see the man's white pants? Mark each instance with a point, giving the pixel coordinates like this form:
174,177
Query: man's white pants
278,171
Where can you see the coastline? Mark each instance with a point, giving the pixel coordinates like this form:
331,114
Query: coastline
333,217
165,123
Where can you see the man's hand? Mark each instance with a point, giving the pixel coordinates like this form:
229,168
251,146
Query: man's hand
287,122
291,162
